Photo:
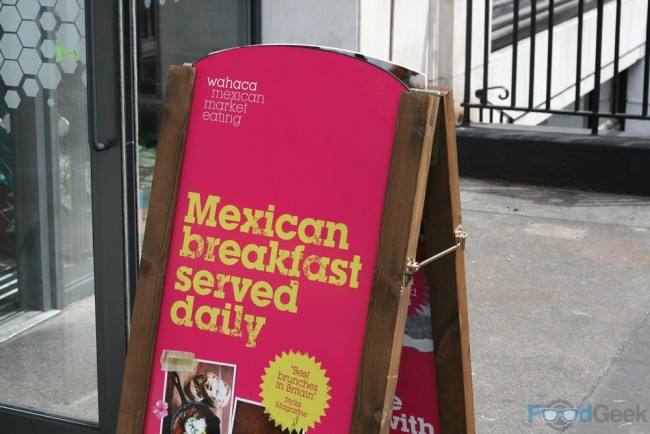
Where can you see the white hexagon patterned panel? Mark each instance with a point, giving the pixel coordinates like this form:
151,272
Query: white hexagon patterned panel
42,40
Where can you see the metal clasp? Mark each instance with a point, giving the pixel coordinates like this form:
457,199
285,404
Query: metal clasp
412,266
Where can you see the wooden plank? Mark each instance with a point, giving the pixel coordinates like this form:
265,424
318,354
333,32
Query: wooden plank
155,251
442,216
397,241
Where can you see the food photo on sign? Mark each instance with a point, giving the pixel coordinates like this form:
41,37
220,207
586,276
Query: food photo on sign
197,395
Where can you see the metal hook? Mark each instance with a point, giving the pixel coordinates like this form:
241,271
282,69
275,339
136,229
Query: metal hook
412,266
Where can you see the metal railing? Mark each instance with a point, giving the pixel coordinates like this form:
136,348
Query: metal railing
534,16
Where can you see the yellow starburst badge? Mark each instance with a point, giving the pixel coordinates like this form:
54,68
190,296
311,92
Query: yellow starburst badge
295,391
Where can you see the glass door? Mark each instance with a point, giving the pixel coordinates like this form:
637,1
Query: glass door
76,77
68,217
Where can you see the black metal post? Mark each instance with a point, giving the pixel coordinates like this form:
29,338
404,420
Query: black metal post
533,37
468,62
646,68
486,54
617,53
515,46
595,103
581,11
549,57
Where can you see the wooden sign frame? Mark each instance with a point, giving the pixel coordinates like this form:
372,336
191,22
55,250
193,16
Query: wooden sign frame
448,294
409,181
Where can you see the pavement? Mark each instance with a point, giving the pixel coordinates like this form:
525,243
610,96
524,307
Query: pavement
52,366
558,285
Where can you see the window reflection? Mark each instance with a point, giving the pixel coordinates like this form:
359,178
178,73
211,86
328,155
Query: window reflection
162,29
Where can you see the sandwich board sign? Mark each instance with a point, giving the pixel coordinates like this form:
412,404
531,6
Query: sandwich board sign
287,196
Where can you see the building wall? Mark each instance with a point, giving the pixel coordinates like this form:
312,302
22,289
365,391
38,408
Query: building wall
391,30
635,99
374,28
423,35
333,23
398,31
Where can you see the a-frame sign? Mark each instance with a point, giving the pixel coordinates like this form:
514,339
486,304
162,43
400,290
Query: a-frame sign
285,214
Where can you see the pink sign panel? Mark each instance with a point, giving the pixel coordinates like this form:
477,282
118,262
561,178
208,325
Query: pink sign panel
415,405
274,240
